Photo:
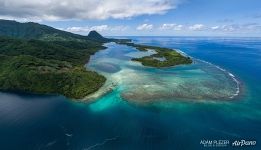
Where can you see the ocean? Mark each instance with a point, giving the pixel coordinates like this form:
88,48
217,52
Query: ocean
216,99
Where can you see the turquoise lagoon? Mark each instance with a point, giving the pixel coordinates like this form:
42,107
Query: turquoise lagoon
200,81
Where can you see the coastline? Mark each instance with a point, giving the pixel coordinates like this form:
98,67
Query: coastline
108,86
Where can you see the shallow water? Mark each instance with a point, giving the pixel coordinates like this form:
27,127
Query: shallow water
136,83
113,122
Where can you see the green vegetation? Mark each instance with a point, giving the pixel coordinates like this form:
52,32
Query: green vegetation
40,59
48,67
33,30
172,57
72,51
31,74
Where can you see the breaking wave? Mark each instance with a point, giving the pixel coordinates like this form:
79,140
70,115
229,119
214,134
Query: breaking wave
218,67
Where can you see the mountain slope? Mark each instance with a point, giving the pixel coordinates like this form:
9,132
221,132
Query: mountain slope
32,30
74,52
97,37
40,59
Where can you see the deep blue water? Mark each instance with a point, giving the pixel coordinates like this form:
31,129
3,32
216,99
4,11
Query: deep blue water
54,122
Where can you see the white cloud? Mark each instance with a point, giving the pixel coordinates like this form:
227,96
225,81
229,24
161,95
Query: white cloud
197,27
86,29
240,28
77,29
252,26
225,28
99,28
122,29
119,28
145,27
228,28
171,27
215,27
83,9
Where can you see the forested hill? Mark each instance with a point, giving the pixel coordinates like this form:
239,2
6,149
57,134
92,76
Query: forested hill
40,59
31,30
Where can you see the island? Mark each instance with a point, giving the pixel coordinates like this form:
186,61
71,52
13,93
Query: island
39,59
163,57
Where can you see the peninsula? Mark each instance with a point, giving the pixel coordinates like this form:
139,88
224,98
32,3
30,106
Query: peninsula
40,59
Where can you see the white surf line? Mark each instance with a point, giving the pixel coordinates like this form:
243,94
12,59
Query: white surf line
50,143
230,74
224,70
67,134
181,52
102,143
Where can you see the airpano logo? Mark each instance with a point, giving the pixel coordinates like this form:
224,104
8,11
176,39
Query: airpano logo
241,143
227,143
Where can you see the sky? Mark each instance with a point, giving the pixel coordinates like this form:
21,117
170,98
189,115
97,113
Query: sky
236,18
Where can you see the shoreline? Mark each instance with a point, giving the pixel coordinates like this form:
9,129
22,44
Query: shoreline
109,85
